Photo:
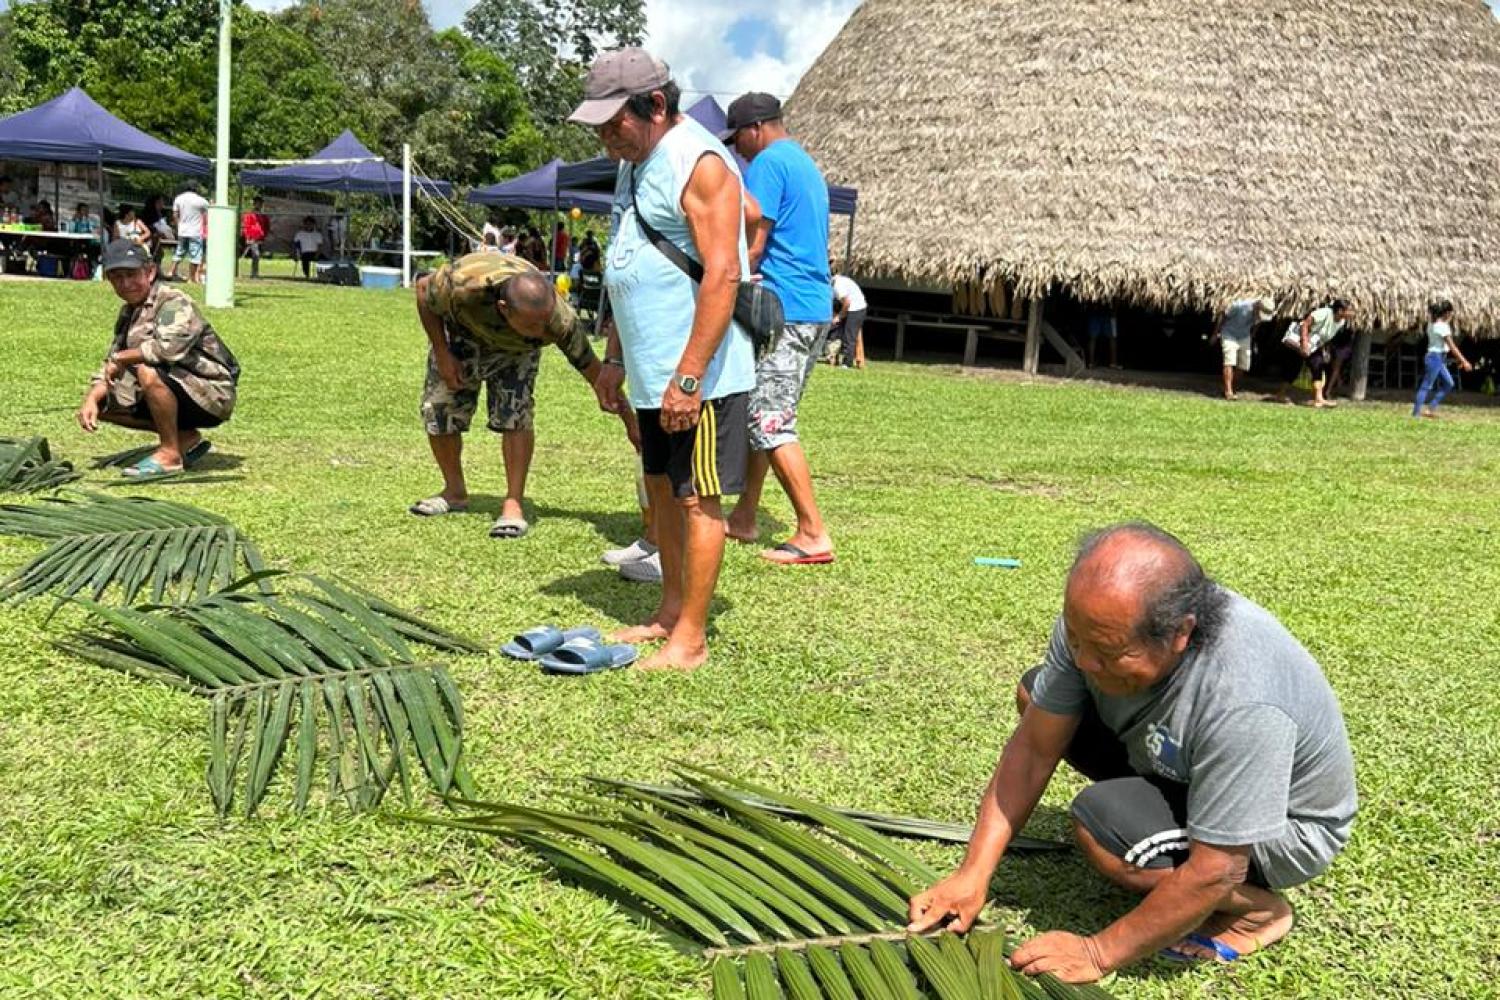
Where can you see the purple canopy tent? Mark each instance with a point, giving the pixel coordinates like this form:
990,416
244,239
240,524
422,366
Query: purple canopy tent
74,128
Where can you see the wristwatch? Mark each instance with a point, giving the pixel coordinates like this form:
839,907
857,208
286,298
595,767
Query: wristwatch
687,383
616,362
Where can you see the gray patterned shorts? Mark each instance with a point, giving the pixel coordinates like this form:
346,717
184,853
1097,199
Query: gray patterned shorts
780,378
509,381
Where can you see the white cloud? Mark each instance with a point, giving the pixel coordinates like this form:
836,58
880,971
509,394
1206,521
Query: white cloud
689,35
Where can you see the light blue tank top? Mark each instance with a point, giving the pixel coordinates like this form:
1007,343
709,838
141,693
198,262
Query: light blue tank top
652,299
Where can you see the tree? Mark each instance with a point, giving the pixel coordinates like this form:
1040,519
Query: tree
551,43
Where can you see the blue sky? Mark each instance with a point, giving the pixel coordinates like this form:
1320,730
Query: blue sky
724,47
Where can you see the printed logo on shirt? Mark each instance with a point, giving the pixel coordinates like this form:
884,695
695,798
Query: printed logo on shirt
1165,753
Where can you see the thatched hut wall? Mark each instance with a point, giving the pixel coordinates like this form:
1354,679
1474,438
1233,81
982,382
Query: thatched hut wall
1173,153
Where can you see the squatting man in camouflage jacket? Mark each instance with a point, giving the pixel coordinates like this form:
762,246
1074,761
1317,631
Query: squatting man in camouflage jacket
166,372
1221,768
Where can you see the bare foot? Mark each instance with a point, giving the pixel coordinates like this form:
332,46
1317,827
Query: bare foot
675,656
511,508
167,458
652,631
1429,415
1246,934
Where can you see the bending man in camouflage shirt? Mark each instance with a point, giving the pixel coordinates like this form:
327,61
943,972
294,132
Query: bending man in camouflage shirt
167,371
487,317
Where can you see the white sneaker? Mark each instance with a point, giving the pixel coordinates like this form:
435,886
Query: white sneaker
636,550
647,570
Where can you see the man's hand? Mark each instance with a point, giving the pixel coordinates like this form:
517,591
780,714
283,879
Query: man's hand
607,387
1071,958
960,896
1466,366
88,415
679,411
449,369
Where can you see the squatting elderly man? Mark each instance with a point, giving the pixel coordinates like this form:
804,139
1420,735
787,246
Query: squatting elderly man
678,199
167,370
1221,767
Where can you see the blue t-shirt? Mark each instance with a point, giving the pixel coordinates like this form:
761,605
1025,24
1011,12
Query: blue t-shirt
794,197
653,300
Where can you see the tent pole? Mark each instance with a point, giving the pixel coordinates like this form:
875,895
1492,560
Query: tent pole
406,215
239,211
849,242
103,236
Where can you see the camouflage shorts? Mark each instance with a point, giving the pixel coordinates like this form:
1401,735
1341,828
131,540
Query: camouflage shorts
780,378
509,381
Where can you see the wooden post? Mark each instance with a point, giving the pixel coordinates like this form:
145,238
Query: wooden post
1033,357
971,347
1072,364
1360,379
900,335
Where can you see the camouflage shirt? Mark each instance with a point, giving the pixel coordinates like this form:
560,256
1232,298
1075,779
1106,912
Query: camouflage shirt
173,336
463,293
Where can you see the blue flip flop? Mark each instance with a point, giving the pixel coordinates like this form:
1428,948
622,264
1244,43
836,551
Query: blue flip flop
587,656
1225,953
536,642
196,452
149,468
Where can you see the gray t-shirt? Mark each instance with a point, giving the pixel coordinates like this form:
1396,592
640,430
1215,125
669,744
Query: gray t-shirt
1250,725
1239,321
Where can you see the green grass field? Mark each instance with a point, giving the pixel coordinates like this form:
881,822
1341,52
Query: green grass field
884,681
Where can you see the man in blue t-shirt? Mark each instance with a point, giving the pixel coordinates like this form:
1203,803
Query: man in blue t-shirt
789,248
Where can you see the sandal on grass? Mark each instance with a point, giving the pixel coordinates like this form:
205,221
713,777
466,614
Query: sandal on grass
535,643
509,527
195,454
436,506
585,656
149,468
1223,952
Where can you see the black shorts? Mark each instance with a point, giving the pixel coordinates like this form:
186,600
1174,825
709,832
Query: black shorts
1292,362
707,461
190,416
1142,820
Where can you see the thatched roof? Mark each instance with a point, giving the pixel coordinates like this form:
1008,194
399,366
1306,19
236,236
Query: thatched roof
1177,153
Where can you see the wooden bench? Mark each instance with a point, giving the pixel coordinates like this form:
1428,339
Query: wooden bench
990,327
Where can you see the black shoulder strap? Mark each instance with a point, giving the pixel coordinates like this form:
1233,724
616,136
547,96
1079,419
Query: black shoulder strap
669,250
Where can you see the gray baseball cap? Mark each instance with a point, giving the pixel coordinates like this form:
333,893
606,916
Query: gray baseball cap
615,77
123,255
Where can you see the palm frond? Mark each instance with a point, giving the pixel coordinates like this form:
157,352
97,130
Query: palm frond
27,466
312,670
138,545
910,827
805,910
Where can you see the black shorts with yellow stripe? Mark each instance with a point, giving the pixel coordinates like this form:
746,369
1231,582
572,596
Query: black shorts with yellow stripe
707,461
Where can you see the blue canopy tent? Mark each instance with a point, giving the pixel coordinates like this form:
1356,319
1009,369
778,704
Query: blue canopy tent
539,189
372,176
74,128
598,175
362,173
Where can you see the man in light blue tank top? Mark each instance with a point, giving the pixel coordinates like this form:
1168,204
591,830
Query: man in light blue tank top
689,368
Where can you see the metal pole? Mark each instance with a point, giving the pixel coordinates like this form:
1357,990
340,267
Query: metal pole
849,243
221,215
406,215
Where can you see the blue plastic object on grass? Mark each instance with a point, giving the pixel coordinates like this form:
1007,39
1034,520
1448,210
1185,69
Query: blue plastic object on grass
993,561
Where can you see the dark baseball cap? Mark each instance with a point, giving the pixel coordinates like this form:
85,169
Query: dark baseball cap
750,109
125,255
615,77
